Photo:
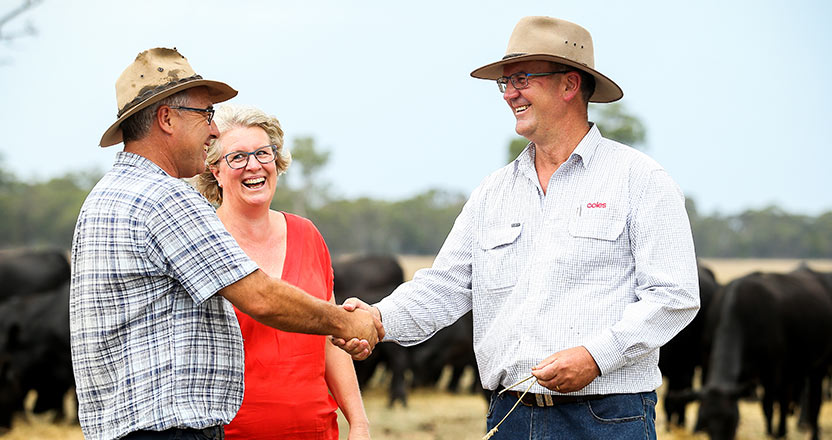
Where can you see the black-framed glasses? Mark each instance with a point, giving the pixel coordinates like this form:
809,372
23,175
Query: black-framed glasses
520,80
208,111
239,159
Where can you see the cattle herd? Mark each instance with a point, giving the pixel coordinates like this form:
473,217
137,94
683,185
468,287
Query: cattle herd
763,336
371,278
34,332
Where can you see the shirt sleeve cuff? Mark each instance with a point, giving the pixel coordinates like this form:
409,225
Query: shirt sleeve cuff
606,353
388,320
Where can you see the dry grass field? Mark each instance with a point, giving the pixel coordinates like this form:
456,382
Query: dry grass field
434,414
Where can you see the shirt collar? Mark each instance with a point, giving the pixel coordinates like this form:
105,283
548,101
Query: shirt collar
583,151
588,145
124,158
526,158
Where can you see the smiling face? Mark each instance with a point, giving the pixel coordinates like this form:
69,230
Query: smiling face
194,134
254,184
536,107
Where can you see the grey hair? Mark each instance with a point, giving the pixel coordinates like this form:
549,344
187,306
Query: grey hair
231,116
138,126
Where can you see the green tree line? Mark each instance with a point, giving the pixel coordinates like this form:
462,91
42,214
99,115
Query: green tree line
40,214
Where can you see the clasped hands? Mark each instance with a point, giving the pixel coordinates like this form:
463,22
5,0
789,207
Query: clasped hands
361,349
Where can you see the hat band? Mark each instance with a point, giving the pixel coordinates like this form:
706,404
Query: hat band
150,92
514,55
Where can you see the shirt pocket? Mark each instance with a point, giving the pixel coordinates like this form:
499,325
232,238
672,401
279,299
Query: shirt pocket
599,228
599,248
499,255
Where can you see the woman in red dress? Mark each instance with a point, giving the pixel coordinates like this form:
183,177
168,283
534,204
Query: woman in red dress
293,382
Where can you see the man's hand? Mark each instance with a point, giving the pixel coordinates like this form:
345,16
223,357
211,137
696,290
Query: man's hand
359,349
363,327
567,371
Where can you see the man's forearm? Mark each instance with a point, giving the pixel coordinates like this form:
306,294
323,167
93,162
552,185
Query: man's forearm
280,305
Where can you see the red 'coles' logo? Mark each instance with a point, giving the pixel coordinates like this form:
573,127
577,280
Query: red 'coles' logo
596,205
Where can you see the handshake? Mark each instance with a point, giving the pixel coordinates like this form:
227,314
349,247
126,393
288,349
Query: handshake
363,329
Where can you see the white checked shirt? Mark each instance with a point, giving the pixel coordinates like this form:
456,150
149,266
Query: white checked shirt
604,259
153,347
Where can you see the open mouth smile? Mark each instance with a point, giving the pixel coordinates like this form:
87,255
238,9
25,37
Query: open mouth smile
255,182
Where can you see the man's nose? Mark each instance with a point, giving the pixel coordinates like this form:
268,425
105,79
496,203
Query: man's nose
213,130
511,91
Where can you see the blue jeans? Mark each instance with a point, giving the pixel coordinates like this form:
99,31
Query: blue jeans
617,416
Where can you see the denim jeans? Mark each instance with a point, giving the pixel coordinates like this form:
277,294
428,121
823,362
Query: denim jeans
617,416
212,433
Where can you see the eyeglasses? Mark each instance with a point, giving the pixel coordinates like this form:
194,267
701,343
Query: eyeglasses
239,159
520,80
209,111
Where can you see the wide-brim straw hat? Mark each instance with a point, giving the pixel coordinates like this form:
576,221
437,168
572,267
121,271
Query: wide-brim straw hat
556,40
155,75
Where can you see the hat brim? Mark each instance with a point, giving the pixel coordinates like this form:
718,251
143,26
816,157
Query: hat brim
218,91
606,90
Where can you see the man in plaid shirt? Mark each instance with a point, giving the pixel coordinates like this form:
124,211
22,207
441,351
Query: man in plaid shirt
156,348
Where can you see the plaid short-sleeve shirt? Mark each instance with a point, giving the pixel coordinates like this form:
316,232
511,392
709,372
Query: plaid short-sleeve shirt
153,347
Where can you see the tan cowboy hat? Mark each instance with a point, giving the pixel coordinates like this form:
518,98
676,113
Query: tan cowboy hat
552,39
155,75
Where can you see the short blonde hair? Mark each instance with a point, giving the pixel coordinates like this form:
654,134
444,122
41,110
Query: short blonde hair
232,116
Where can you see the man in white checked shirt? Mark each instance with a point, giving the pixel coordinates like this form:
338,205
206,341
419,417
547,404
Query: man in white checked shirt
577,258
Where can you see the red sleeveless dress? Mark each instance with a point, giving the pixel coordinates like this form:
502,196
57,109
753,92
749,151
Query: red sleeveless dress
286,396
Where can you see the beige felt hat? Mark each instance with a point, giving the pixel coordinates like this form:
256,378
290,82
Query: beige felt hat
552,39
155,75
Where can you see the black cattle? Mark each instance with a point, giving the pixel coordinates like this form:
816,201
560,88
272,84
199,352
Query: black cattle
826,393
10,393
27,271
772,330
35,352
371,278
679,358
452,346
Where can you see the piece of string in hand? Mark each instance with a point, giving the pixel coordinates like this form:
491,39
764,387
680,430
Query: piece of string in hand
514,385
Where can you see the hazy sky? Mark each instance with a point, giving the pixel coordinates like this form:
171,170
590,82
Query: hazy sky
735,95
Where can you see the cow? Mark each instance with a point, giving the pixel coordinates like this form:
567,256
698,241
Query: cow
452,346
35,352
29,271
371,278
772,330
679,358
10,392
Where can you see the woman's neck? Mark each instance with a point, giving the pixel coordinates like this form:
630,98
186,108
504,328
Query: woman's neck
246,223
